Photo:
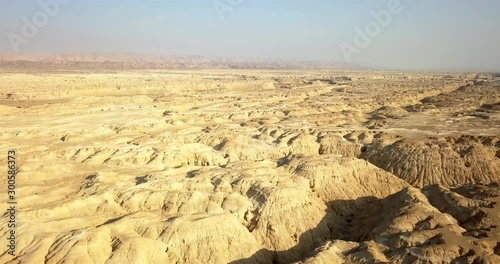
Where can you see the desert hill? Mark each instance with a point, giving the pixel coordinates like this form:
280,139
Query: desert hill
251,166
103,61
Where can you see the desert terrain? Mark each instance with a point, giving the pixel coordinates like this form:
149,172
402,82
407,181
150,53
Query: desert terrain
251,166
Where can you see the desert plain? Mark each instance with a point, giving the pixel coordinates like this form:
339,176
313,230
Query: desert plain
251,166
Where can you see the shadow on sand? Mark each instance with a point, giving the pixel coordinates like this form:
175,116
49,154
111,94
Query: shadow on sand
339,215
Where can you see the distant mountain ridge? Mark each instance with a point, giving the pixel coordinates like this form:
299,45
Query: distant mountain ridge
145,61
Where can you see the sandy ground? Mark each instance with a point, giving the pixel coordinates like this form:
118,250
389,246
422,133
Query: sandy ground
240,166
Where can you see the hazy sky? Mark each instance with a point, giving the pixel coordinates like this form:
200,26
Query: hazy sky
425,35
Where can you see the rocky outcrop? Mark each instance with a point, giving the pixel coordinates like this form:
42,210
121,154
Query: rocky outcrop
444,161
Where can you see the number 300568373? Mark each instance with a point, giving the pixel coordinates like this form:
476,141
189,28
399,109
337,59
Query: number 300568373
11,174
